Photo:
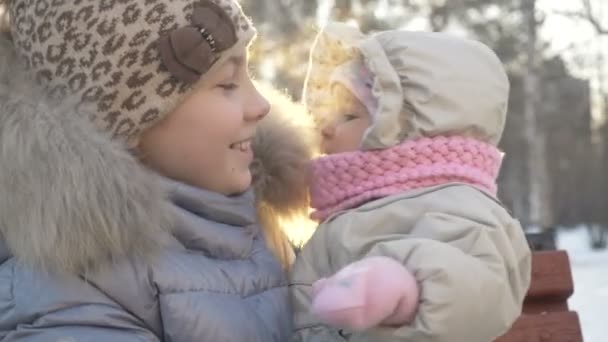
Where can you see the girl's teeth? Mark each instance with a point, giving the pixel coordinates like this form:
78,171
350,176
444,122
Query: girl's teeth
243,146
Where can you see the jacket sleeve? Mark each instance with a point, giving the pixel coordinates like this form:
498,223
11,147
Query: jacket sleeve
473,278
310,262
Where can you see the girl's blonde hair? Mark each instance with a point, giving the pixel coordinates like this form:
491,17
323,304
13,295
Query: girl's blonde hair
275,235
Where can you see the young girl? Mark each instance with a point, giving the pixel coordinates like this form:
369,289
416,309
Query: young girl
126,212
413,244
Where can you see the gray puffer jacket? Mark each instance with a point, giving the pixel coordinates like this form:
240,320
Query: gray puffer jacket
92,248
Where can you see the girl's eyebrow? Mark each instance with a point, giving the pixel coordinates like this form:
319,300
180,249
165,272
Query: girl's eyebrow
237,60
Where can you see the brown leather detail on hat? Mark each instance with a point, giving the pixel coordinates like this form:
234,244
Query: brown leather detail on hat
188,52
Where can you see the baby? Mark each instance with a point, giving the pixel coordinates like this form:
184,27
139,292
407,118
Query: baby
413,244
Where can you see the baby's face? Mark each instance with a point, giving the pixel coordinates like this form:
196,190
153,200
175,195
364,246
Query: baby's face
342,128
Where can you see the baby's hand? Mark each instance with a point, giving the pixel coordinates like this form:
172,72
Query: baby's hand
371,292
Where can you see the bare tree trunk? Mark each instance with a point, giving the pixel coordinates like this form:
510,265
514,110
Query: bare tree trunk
600,58
538,194
342,9
601,140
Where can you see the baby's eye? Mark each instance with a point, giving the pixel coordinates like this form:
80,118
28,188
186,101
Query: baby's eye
349,117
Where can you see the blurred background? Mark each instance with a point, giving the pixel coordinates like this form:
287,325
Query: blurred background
556,137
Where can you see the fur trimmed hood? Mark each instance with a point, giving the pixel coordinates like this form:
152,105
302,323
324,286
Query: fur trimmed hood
73,200
285,143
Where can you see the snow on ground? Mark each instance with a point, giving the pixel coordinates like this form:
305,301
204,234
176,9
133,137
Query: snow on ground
590,272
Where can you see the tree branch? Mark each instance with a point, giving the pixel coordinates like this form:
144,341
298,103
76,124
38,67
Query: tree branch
587,15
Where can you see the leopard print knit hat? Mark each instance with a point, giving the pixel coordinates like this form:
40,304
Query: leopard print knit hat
131,60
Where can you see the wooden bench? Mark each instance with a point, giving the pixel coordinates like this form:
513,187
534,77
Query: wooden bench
546,316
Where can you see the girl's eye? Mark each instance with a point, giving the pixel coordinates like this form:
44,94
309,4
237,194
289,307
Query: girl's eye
228,86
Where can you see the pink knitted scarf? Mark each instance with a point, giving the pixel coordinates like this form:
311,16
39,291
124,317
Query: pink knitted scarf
346,180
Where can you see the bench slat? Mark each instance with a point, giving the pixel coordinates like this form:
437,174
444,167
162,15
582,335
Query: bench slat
550,327
541,306
551,276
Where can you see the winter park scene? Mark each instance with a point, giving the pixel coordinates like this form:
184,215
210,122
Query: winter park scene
304,170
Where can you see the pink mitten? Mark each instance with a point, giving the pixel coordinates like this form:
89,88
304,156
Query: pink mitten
371,292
